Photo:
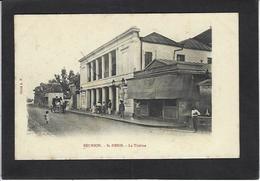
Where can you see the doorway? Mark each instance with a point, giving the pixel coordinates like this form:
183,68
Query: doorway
155,108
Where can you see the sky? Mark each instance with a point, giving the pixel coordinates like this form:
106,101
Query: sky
44,44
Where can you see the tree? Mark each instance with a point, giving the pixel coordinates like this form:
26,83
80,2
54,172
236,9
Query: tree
39,94
52,81
65,80
77,81
41,91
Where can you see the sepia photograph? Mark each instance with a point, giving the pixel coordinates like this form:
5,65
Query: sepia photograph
126,86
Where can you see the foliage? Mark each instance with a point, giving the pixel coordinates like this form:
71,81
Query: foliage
41,90
61,83
52,81
67,80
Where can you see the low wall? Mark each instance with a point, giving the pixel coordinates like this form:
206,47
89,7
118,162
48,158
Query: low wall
204,123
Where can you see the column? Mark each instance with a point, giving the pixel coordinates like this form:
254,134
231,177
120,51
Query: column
91,71
97,96
104,94
88,98
87,71
117,99
83,100
81,97
97,69
92,97
117,62
103,67
110,64
110,94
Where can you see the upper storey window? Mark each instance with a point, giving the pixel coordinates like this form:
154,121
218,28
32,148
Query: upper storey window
94,70
113,57
180,58
99,61
106,62
148,56
209,60
89,71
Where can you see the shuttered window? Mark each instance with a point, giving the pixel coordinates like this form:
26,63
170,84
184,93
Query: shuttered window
106,65
148,56
113,56
180,58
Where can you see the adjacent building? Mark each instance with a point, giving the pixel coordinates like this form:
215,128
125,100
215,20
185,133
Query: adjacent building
106,70
169,89
197,49
44,93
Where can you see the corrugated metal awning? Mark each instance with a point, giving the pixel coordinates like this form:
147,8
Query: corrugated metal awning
163,87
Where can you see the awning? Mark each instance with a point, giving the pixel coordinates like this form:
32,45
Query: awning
163,87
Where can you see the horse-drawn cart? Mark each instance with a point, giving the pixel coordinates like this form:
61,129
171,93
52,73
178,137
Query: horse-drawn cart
56,105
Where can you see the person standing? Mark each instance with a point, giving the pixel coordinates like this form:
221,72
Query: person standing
104,108
121,109
61,105
194,115
98,108
46,117
55,103
109,106
207,112
64,105
94,108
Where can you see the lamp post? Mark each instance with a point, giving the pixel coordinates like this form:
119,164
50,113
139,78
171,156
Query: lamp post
123,82
80,89
120,85
113,82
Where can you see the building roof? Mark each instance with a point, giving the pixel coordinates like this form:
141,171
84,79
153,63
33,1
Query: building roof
206,82
207,67
201,41
158,63
159,39
195,44
166,62
205,37
164,66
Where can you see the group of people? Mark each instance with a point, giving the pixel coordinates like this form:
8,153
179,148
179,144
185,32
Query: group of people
58,105
106,108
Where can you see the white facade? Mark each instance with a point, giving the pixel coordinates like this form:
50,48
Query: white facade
128,51
192,55
127,48
159,51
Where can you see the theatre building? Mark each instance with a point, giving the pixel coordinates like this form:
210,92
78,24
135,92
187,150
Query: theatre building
168,90
104,72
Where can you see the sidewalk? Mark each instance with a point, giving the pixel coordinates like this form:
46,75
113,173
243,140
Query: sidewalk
141,122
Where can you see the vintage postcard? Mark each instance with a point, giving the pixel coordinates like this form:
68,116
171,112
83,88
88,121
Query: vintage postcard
126,86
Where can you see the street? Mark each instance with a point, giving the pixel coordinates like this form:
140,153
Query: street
70,123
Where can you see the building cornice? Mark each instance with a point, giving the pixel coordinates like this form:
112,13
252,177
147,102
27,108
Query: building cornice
124,34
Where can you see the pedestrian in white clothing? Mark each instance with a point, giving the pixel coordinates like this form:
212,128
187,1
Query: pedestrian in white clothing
194,115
